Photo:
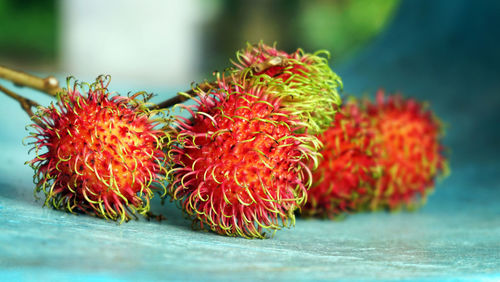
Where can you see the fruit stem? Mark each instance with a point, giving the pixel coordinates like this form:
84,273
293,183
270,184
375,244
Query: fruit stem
206,86
48,85
25,103
179,98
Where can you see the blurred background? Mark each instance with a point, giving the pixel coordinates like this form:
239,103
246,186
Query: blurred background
176,42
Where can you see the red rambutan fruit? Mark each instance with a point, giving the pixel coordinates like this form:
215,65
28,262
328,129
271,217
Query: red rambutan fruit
383,155
346,174
309,86
410,151
97,153
240,167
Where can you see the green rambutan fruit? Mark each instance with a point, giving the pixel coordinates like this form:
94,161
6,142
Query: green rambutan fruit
309,86
97,153
239,165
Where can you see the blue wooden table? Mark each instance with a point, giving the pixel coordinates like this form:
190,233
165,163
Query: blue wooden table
445,55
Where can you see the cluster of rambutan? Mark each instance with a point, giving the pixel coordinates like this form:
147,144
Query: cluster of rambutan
383,155
257,139
240,163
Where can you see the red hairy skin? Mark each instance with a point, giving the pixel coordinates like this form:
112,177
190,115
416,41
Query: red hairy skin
383,155
346,174
411,153
239,167
98,154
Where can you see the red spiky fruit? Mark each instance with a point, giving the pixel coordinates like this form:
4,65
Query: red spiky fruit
98,153
309,86
382,155
346,174
240,167
410,152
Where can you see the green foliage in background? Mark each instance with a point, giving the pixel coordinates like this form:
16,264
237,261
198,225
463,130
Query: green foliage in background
343,26
28,29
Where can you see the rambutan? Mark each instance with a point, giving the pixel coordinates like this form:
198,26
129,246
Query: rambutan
382,155
346,174
309,86
240,167
410,151
98,153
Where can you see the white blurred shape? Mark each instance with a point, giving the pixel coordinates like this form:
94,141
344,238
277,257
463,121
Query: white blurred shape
146,42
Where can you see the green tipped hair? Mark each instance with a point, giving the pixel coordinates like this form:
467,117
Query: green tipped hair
309,87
